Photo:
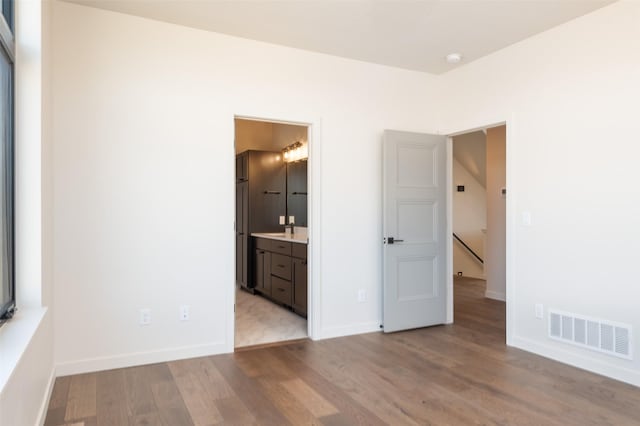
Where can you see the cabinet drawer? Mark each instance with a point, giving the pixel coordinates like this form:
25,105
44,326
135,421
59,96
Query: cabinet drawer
282,247
281,290
281,266
299,250
263,244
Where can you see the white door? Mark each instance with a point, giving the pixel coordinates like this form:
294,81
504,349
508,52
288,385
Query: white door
414,226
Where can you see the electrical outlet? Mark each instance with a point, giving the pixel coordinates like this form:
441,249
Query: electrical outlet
145,316
292,220
184,313
526,218
281,220
539,311
362,295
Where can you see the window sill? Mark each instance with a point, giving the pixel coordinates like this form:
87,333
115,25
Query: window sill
15,337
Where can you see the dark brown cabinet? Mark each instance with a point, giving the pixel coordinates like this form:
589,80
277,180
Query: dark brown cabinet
242,167
262,266
263,272
299,302
242,238
280,272
281,266
260,201
281,290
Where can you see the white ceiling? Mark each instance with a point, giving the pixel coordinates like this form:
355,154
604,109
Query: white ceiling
412,34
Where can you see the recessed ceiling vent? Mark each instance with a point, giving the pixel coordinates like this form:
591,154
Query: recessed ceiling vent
598,335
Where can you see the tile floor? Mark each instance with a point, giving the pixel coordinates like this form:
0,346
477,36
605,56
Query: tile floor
260,321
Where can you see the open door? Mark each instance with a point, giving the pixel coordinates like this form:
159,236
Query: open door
414,230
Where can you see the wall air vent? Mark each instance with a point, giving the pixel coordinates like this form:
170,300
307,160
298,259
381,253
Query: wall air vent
603,336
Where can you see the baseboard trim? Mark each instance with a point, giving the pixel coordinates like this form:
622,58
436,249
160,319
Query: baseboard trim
42,413
495,295
138,358
574,359
349,330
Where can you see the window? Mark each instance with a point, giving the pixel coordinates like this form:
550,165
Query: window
7,246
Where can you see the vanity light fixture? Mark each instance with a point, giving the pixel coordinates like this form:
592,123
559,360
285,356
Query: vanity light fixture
295,152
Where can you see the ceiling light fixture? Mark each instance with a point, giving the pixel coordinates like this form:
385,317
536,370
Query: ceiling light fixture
453,58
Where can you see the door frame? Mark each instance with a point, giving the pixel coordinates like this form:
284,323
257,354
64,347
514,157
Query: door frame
510,218
314,220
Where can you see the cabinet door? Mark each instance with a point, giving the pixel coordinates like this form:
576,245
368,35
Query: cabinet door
241,274
242,246
241,200
259,269
300,286
262,272
268,186
242,169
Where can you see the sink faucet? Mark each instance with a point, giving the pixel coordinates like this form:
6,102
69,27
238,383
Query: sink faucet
291,227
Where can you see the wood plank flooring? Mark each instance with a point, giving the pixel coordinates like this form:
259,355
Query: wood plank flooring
460,374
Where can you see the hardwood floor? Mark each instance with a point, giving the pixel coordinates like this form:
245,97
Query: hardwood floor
460,374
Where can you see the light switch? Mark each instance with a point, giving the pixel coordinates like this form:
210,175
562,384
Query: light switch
526,218
281,220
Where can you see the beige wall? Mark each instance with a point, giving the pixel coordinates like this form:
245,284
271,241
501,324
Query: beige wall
266,136
495,256
285,134
252,134
469,218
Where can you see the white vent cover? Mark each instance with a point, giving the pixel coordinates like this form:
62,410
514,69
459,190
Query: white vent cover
599,335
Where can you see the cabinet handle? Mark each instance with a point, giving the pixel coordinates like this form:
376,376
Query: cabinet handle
280,266
272,192
261,252
280,289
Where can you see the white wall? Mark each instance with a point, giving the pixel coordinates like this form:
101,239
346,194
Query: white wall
496,254
143,133
570,99
469,219
144,191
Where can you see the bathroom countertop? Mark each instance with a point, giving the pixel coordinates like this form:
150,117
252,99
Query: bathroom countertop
297,237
